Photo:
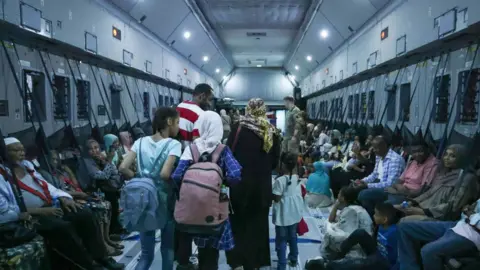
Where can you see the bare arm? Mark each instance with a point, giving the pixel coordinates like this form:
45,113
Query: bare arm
333,214
125,167
168,167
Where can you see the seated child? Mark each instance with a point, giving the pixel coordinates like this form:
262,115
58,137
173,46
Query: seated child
381,251
287,211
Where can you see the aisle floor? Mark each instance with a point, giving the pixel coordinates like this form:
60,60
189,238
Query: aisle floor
308,245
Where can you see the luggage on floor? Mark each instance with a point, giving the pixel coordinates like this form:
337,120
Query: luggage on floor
27,256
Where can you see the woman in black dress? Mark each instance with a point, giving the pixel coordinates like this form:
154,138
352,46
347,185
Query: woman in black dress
255,144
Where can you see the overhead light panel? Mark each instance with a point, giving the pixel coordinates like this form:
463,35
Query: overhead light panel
297,68
187,34
217,70
205,58
324,33
259,65
309,58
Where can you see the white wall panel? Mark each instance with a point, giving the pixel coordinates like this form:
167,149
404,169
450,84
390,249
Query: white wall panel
268,84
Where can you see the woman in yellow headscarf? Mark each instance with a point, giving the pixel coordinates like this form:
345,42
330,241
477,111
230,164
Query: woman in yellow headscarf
256,147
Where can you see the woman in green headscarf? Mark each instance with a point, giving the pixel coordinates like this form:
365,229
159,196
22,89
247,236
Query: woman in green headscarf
112,144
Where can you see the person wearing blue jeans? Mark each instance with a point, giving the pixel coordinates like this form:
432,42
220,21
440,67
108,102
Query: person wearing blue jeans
284,235
147,240
156,156
442,243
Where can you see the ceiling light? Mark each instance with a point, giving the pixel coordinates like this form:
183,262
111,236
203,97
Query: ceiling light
187,35
296,67
217,70
205,58
293,77
324,33
259,65
309,58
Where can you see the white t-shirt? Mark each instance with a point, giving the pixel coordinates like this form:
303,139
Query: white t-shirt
467,231
151,150
289,210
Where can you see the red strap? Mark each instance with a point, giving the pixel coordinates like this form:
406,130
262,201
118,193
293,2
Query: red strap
69,181
45,196
236,138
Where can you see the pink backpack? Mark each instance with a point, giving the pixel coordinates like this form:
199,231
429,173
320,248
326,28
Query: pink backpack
202,208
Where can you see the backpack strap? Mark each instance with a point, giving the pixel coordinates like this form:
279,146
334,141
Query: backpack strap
165,147
217,152
236,137
195,153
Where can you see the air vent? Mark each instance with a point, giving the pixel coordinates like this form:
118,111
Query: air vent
258,62
256,34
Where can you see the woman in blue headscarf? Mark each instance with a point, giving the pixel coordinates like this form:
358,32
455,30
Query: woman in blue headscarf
318,187
112,144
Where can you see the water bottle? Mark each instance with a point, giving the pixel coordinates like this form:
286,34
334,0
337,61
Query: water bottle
56,203
404,204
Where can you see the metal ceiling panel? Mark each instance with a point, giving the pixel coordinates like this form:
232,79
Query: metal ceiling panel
206,49
126,5
163,16
251,14
348,13
315,45
193,45
379,4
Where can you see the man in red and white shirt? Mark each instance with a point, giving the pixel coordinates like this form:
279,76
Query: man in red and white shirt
189,112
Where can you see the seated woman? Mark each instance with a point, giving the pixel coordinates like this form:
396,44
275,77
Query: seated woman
69,228
351,218
318,187
451,190
104,175
127,142
63,178
444,240
113,144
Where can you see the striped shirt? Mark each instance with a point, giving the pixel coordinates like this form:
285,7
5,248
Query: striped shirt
189,113
387,170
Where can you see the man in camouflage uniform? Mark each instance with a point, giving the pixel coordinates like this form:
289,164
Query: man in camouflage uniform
290,141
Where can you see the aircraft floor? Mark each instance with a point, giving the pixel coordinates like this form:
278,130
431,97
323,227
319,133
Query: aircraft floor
308,244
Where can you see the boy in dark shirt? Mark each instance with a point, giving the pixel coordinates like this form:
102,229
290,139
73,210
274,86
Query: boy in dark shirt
381,253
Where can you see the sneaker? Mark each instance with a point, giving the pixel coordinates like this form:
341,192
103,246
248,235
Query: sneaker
292,263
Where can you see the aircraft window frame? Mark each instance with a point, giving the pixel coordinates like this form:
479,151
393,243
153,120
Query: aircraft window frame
66,96
405,103
371,105
30,96
469,100
83,113
391,104
441,98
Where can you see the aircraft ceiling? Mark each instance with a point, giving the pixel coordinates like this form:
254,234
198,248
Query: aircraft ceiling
295,34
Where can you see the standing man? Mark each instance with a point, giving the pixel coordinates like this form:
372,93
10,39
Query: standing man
290,141
189,112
